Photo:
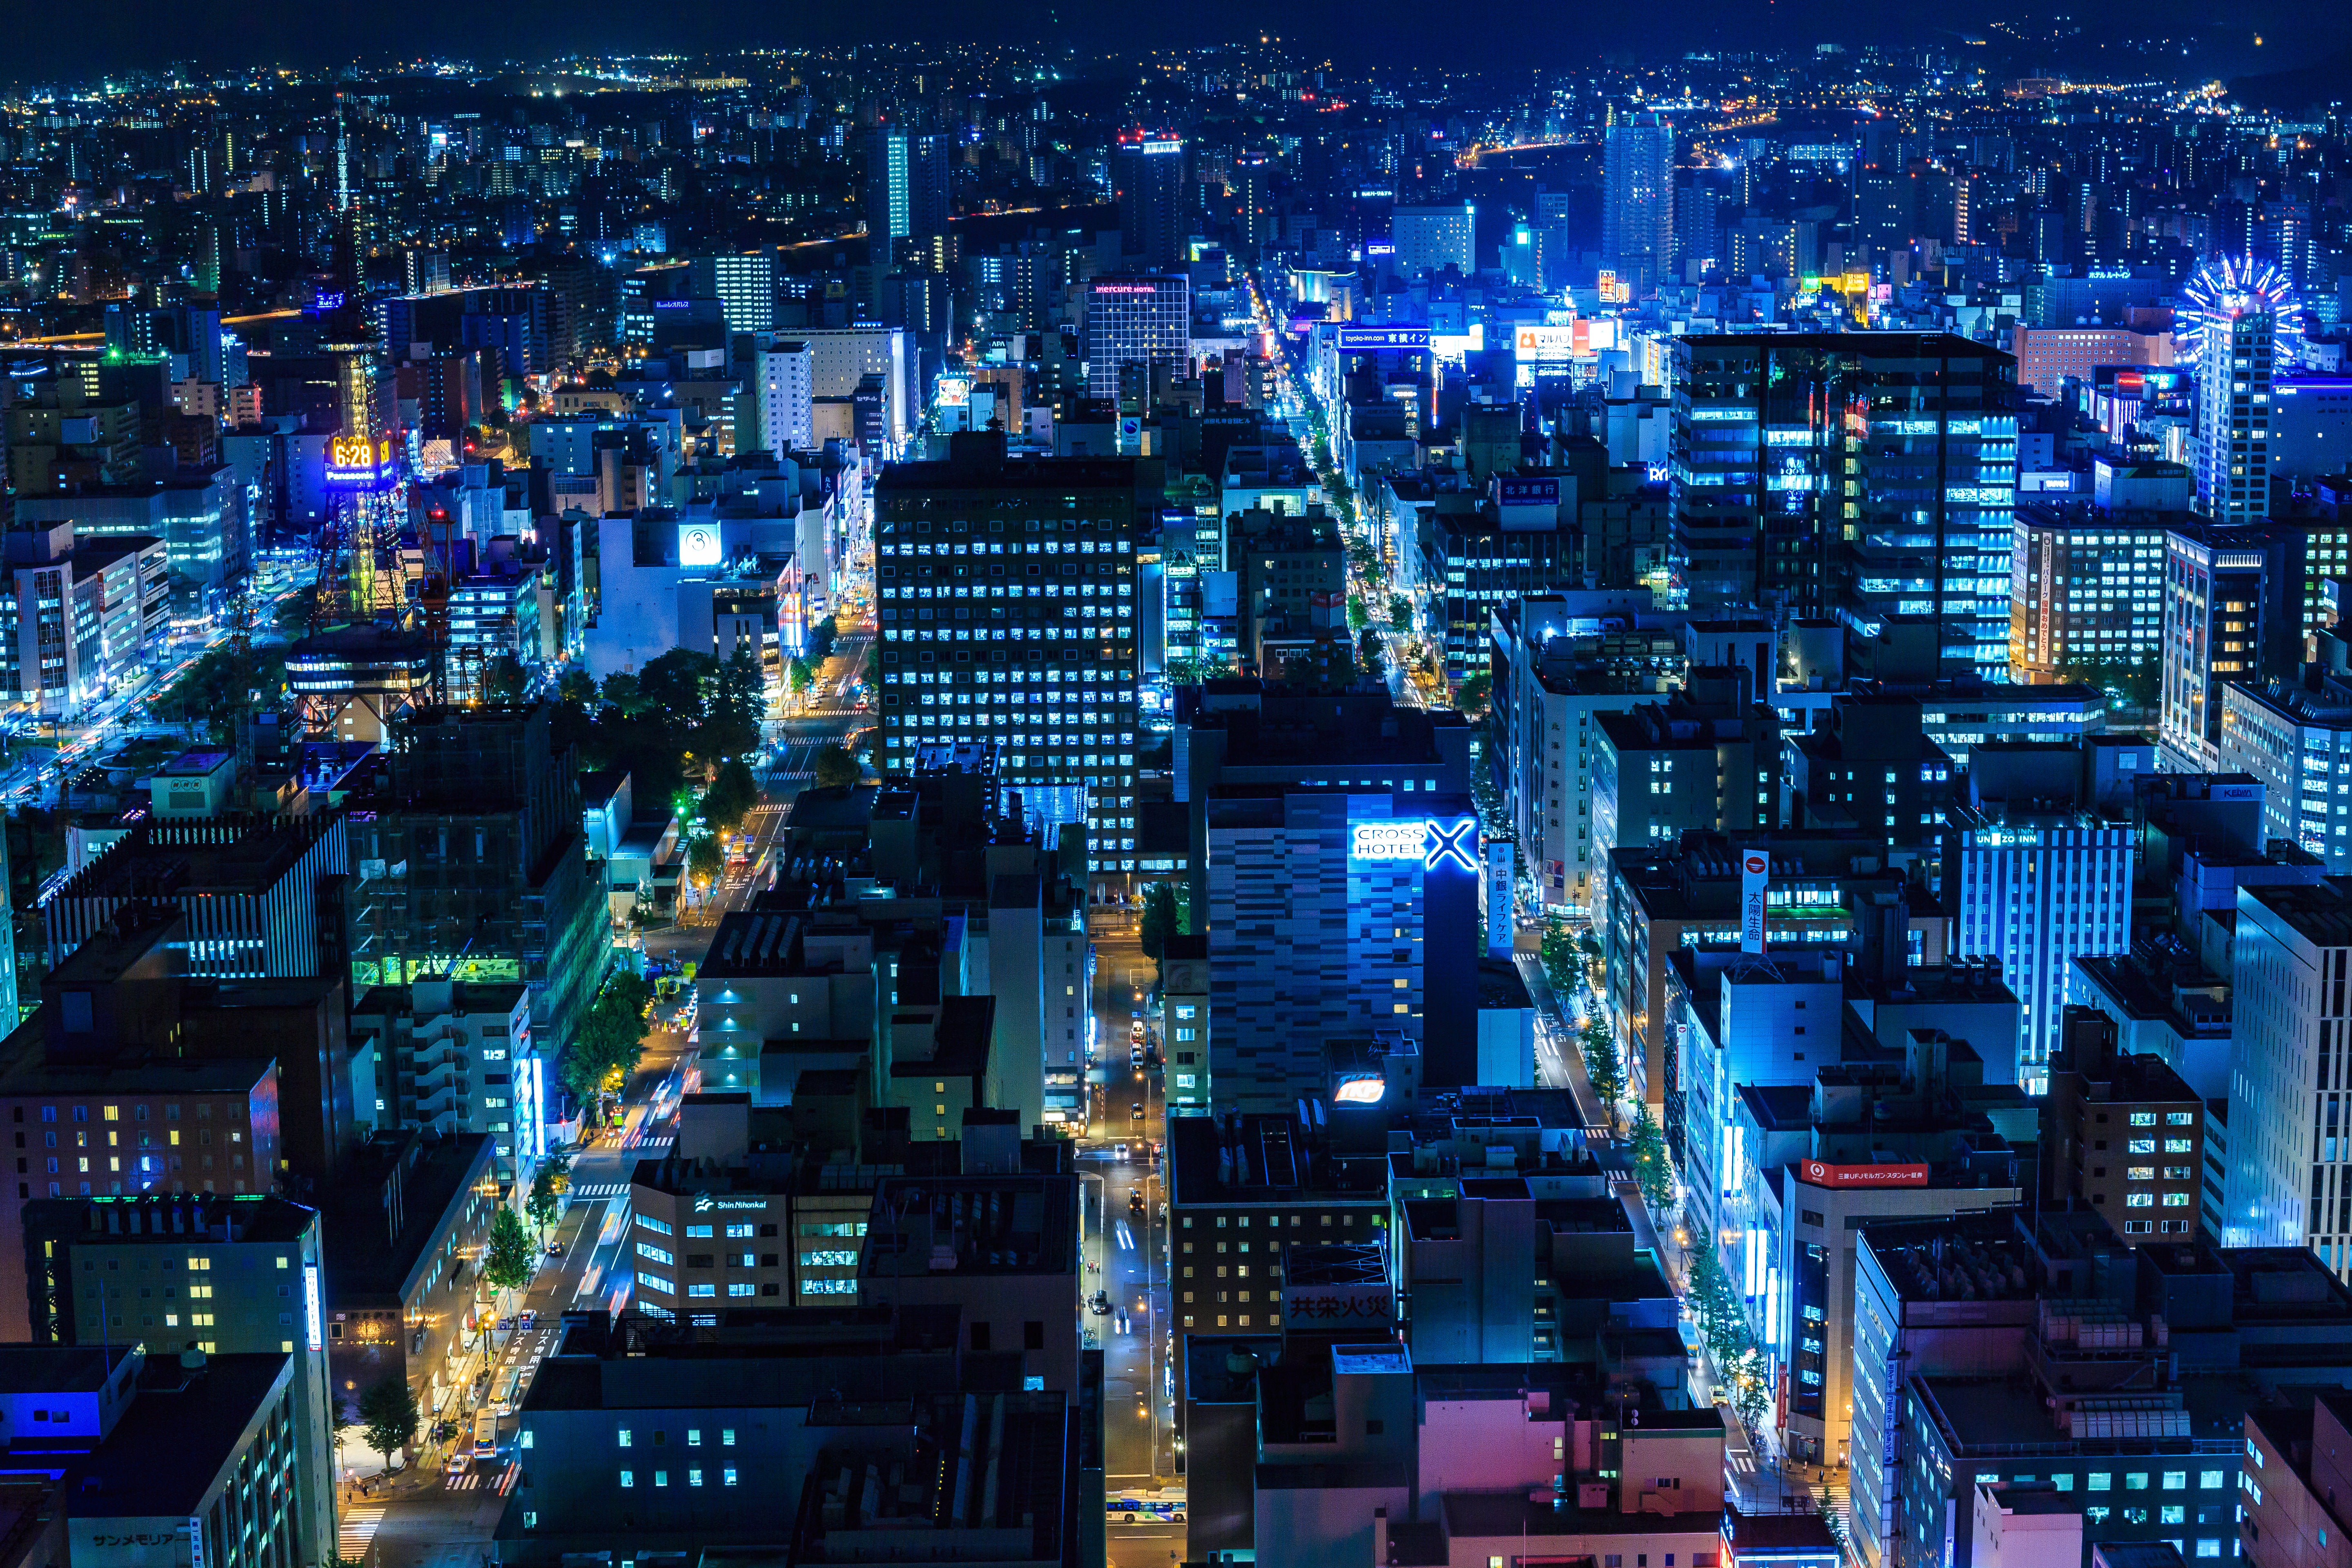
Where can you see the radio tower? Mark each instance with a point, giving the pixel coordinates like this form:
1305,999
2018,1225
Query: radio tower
362,576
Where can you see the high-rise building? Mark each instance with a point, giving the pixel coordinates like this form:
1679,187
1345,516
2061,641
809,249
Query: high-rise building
1431,239
2233,613
786,387
2290,1167
1149,173
2238,326
2038,878
2295,737
1005,601
905,191
1136,320
1863,474
744,286
2086,587
1637,214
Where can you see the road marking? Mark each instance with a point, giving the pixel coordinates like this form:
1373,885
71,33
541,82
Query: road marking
356,1532
1126,1237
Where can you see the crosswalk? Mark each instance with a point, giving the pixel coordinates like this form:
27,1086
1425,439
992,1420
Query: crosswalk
599,1189
356,1533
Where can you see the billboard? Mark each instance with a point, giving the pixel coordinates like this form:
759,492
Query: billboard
1354,339
1820,1174
698,544
358,463
1512,491
1544,345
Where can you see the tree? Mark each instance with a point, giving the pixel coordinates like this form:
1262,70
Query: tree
389,1416
1372,653
821,637
798,676
705,860
507,1264
1161,919
1358,617
1472,697
731,795
1653,1169
611,1033
576,688
545,1204
735,700
1602,1066
836,769
1399,613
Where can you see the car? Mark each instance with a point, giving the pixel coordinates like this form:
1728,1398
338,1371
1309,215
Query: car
457,1464
1120,1322
1098,1303
1135,1030
1135,1111
1135,1202
555,1250
1118,1152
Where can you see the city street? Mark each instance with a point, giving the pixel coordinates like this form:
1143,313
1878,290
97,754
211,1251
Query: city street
1126,1248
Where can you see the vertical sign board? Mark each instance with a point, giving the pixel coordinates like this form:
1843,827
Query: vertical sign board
311,1307
1755,869
1501,926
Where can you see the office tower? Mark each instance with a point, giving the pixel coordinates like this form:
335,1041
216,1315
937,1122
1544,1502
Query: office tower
1148,172
2038,878
1866,474
786,387
1637,214
1136,320
2240,325
226,1276
467,846
2086,588
744,286
1005,604
848,361
2231,613
1430,239
2290,1167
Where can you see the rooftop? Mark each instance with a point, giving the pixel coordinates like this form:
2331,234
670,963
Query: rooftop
183,1428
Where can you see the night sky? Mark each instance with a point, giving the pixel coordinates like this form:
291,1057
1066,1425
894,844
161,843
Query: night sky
41,39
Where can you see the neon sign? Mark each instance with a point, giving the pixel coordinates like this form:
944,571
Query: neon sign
1429,841
1453,844
310,1303
1360,1091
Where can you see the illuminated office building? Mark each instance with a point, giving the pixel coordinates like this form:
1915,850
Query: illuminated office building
2085,586
2231,613
1136,320
1005,596
1336,914
2038,879
744,286
1864,475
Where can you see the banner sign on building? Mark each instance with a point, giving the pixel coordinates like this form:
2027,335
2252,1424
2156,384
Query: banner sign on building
1820,1173
1755,870
1356,340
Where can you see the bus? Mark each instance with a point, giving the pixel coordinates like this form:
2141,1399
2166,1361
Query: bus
486,1437
1165,1506
511,1394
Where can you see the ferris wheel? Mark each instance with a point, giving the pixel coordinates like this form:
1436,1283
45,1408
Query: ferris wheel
2234,287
